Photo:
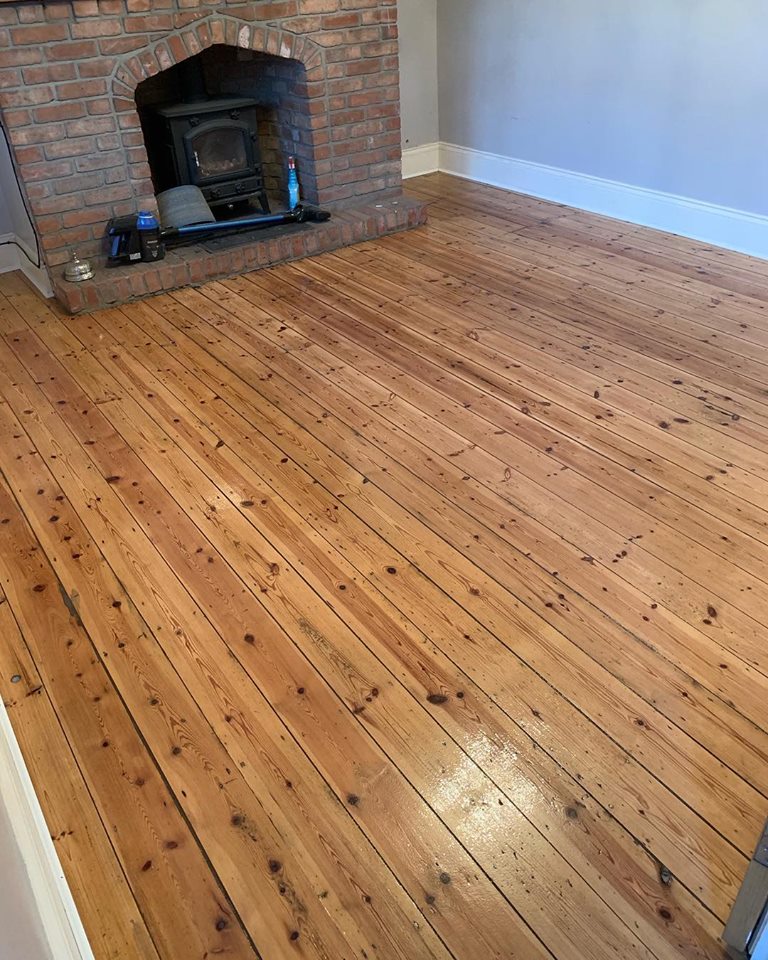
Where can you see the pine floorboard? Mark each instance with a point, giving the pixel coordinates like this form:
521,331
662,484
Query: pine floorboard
404,602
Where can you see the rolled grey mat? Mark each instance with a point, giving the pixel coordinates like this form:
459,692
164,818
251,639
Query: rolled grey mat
183,207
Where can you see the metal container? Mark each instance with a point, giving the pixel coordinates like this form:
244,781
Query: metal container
78,270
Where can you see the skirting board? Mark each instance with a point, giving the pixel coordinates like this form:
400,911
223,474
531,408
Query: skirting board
418,161
53,903
9,254
707,222
11,258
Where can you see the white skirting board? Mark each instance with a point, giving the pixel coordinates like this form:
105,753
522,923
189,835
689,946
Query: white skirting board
707,222
420,160
11,258
56,912
9,254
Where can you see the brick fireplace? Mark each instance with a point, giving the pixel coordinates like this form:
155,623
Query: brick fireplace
73,76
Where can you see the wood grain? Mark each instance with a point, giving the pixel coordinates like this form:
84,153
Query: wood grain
421,585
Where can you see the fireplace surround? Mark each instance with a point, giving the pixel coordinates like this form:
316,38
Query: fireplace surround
75,75
211,143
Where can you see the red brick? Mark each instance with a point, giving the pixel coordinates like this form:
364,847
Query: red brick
98,67
88,125
29,154
39,34
148,24
74,185
120,45
76,50
319,6
103,27
70,148
20,56
81,89
79,218
100,108
86,8
42,133
340,21
47,170
49,73
27,96
76,132
100,161
59,111
10,78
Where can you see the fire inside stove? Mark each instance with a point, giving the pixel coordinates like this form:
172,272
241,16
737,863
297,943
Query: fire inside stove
211,143
219,153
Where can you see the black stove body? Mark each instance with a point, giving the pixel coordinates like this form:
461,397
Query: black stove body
211,143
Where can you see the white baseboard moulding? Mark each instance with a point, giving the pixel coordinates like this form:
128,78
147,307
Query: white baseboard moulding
709,223
9,253
418,161
12,258
58,918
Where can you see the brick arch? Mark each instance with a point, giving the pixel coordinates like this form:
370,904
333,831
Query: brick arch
134,68
72,115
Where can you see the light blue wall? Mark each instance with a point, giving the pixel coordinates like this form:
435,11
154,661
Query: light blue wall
13,217
418,71
665,94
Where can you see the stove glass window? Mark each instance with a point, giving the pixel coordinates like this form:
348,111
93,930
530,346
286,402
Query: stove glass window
219,153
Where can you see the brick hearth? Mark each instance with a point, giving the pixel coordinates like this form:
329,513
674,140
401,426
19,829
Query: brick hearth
69,72
196,264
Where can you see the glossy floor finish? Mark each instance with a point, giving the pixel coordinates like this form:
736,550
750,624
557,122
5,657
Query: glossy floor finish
406,602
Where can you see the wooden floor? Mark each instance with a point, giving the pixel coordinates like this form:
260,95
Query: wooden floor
408,602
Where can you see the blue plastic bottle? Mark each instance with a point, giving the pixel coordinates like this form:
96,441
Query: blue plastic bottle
293,184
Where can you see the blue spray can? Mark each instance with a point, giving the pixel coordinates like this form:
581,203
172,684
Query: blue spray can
293,184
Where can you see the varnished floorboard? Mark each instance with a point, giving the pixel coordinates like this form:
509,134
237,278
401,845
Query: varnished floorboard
406,602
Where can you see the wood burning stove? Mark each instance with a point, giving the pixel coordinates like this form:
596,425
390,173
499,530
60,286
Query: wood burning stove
211,143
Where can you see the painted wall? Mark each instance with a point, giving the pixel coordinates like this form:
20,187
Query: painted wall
9,255
13,217
14,222
664,94
6,223
418,71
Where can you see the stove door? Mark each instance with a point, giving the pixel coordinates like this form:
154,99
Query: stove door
218,151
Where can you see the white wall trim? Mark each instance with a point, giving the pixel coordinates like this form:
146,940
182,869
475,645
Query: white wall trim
58,914
9,254
11,258
418,161
720,226
37,276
